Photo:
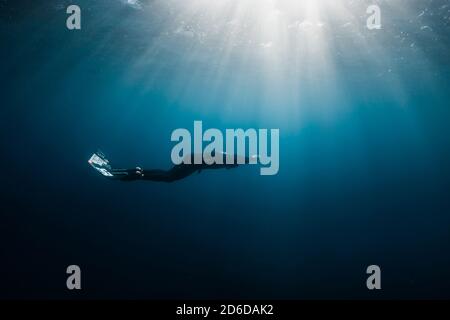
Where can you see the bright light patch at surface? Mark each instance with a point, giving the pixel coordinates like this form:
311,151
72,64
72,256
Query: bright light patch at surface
292,58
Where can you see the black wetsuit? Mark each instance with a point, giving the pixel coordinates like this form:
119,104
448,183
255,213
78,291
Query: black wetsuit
177,172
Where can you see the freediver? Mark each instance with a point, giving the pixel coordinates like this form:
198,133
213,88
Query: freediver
177,172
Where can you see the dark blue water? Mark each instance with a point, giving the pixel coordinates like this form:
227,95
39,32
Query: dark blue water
364,172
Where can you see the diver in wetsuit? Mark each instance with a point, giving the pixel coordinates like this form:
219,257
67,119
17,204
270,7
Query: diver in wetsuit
177,172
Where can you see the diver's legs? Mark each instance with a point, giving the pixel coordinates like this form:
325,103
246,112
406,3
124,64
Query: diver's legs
126,174
177,172
156,175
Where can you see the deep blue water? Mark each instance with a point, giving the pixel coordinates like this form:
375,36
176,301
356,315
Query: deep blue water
364,174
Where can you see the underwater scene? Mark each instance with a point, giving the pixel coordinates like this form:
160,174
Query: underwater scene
349,99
